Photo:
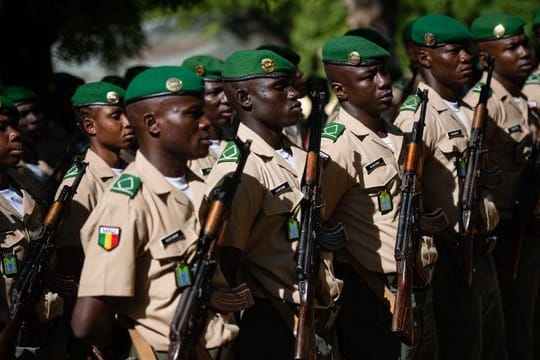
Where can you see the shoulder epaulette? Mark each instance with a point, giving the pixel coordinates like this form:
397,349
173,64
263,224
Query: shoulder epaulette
231,153
533,79
127,184
478,87
333,131
411,103
72,172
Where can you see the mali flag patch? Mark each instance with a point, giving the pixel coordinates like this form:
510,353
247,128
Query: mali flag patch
109,237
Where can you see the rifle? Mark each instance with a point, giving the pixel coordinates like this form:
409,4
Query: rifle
312,236
191,314
29,285
408,235
474,176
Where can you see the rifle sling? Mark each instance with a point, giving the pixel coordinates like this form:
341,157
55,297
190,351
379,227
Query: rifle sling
378,288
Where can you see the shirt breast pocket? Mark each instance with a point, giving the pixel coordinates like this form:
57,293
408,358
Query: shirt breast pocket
172,247
453,147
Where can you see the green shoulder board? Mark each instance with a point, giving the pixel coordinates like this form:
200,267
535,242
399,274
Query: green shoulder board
231,153
533,79
478,87
411,103
72,172
333,131
127,184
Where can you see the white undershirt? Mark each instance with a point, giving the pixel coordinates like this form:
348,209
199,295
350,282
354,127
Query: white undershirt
286,156
36,170
117,171
181,184
215,147
454,106
14,197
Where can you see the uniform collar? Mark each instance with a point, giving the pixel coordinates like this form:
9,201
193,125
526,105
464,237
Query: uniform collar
261,148
98,166
501,93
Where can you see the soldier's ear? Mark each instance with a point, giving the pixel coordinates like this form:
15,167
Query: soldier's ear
151,124
89,126
339,90
423,57
243,98
482,59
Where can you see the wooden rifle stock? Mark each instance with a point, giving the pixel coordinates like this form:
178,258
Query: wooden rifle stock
307,251
191,314
408,235
469,192
28,287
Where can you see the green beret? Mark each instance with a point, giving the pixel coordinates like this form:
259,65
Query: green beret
19,94
435,30
406,32
251,64
496,26
372,35
164,81
206,66
98,93
283,51
351,50
536,18
8,108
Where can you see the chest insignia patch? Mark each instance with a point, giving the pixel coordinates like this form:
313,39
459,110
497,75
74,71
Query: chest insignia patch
333,131
514,129
172,238
280,188
72,172
231,153
533,79
374,164
127,184
455,133
109,237
411,103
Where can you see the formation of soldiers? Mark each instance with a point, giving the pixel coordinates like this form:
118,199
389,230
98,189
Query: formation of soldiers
159,149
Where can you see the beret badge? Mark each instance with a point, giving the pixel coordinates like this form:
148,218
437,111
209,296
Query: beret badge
112,97
199,70
173,84
268,65
354,58
429,39
498,31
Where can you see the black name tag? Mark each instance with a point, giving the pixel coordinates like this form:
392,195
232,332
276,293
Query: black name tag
515,128
171,238
375,164
281,188
455,133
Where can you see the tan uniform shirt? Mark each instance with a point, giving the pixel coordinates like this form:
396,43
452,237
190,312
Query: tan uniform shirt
362,168
93,183
267,197
134,243
531,89
445,141
15,234
508,139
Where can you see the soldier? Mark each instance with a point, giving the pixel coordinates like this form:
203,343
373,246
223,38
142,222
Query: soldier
468,316
508,139
216,109
20,220
146,224
366,155
261,238
531,89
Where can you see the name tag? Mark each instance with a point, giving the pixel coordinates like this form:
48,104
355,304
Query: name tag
375,164
280,189
455,133
515,128
172,238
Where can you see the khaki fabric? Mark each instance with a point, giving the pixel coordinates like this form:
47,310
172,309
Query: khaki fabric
508,140
93,183
142,267
351,187
202,166
257,222
445,141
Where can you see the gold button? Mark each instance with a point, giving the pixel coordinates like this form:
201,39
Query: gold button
498,31
268,65
354,58
429,39
113,97
199,70
173,84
